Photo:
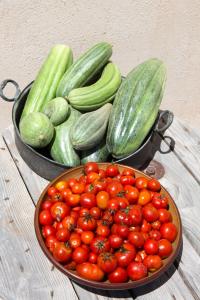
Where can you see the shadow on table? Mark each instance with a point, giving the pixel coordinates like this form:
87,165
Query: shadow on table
143,289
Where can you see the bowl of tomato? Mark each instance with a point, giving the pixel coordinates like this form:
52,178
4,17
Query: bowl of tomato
108,226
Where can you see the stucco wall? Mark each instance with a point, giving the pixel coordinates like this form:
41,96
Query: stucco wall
167,29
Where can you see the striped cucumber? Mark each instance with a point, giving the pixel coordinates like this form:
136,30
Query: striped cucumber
84,68
101,92
56,110
48,78
61,148
90,128
135,107
98,154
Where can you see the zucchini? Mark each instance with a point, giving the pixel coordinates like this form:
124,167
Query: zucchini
90,128
135,108
46,82
101,92
36,130
61,149
56,110
84,68
97,154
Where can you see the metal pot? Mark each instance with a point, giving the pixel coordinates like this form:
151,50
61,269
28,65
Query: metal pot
40,161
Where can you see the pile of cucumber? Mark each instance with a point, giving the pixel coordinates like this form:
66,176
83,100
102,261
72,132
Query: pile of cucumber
83,111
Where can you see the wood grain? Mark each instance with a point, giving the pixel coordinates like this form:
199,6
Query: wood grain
24,271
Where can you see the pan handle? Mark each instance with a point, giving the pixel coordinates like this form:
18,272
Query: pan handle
165,118
3,85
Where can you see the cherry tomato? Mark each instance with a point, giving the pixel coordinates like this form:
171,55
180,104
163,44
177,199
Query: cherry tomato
146,227
99,245
114,188
128,172
134,228
70,266
107,262
118,275
102,173
100,185
141,183
61,185
144,197
156,225
92,176
125,254
155,235
88,200
168,231
160,201
103,230
112,170
136,215
87,237
72,182
122,201
95,212
151,246
51,191
75,240
62,253
122,230
164,215
127,180
48,230
57,197
45,217
66,193
142,254
60,210
154,185
137,270
91,188
78,188
74,214
58,225
92,258
69,222
63,235
164,248
90,271
131,193
73,200
115,240
83,179
150,213
113,205
51,242
136,238
80,255
87,222
46,204
153,262
83,212
102,199
91,167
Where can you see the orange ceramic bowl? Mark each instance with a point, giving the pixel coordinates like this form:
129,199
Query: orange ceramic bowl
76,173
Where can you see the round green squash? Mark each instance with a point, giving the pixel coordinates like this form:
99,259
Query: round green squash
36,130
56,110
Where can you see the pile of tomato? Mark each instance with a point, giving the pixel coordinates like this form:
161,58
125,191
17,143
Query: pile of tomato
108,225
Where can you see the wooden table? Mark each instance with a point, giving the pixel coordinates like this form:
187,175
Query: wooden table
25,272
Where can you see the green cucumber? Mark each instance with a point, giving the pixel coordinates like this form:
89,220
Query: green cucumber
82,70
135,108
97,154
56,110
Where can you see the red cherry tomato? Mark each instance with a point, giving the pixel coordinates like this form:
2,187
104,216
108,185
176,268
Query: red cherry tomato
45,217
62,253
151,246
75,240
112,170
69,222
136,238
73,200
48,230
127,180
80,255
90,271
88,200
87,237
51,191
92,176
164,215
107,262
100,185
90,188
155,235
92,258
156,225
103,230
99,245
154,185
146,227
141,183
153,262
87,222
102,173
150,213
114,188
137,270
91,167
66,193
119,275
51,242
72,182
61,185
46,204
63,235
125,255
102,199
60,210
164,248
122,230
115,240
78,188
128,172
168,231
95,212
131,193
136,215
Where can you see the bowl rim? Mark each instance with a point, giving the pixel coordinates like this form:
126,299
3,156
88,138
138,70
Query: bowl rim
106,285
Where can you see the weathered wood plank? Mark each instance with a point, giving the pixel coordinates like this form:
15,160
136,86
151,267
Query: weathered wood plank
187,145
25,273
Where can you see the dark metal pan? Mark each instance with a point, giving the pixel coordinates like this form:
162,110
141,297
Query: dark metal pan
40,161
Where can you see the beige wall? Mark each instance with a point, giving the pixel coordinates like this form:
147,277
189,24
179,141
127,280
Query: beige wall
137,29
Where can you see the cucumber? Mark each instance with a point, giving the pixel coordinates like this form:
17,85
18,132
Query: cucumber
56,110
84,68
36,130
46,82
91,97
61,149
97,154
90,128
135,108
